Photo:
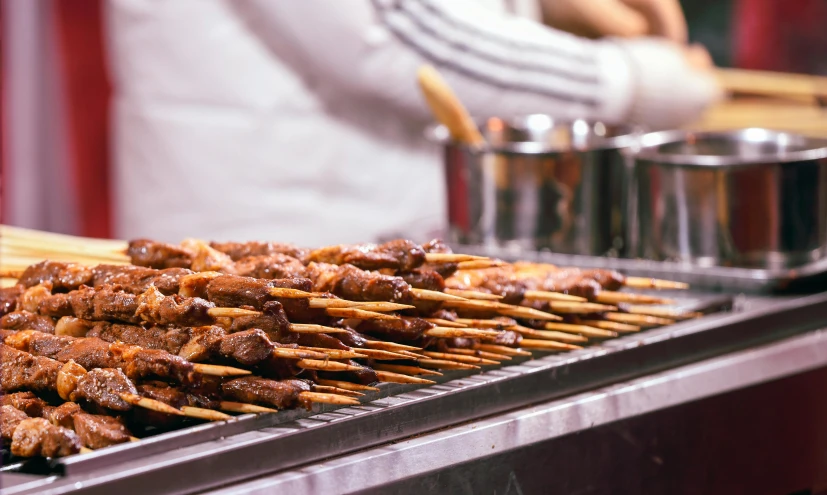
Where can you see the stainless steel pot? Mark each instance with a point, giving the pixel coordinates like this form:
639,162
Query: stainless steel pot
750,198
539,184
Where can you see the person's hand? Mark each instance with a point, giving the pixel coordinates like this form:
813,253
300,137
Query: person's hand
622,18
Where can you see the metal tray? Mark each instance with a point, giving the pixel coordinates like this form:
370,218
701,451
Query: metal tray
217,454
810,277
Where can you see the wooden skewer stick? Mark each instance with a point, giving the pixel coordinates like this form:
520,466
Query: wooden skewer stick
547,345
542,295
300,353
479,264
472,294
391,377
287,293
443,364
639,320
318,302
326,389
469,333
548,335
134,439
673,313
440,322
313,328
459,357
355,387
611,325
503,309
579,308
151,404
243,408
380,354
216,370
612,297
581,329
405,369
85,450
451,257
313,364
231,312
432,295
359,314
653,283
390,346
34,246
207,414
323,398
411,355
326,353
381,306
501,349
475,352
529,313
499,324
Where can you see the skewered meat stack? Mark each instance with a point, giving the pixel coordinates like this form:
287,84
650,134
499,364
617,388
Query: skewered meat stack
274,308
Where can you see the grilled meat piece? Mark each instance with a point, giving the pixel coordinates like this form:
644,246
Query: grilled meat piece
352,283
35,437
239,250
177,398
103,386
281,394
27,402
249,347
20,371
62,276
406,329
24,320
175,310
97,431
272,320
153,254
399,254
10,417
424,279
8,298
269,267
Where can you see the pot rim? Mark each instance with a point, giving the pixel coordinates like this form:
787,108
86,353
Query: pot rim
438,133
647,148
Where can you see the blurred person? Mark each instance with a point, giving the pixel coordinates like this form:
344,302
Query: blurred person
301,121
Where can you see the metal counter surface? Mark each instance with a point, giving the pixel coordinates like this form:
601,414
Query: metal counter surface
483,456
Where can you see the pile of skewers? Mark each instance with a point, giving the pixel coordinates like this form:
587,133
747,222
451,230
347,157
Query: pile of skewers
150,333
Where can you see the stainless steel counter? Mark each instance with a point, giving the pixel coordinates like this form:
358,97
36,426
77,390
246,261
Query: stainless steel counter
490,456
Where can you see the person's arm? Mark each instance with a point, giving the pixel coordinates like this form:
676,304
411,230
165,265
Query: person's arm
498,64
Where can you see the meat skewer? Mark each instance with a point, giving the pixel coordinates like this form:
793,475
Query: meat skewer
136,279
107,303
105,387
136,362
95,431
35,437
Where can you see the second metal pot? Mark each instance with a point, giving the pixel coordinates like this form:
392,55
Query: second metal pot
748,198
539,184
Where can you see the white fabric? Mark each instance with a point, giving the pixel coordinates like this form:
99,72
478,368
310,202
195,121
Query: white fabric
300,120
